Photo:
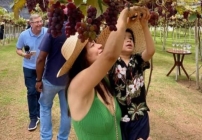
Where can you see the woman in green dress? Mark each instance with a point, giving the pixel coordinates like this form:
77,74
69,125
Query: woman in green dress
94,110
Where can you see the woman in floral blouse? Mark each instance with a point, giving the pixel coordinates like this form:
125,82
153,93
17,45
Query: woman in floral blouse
126,77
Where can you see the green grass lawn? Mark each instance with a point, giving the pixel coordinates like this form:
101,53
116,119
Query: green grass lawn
13,101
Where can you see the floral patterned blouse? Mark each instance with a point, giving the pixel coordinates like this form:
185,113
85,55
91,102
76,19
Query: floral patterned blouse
128,83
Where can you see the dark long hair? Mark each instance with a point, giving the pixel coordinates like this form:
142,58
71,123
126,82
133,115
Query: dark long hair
80,64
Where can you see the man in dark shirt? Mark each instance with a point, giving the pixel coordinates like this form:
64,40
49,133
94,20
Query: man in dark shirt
49,62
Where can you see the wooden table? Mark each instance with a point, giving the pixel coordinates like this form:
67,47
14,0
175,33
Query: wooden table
178,56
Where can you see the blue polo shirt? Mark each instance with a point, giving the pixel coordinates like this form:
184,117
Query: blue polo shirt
55,59
33,41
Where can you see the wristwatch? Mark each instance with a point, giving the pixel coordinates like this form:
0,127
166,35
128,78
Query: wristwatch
38,80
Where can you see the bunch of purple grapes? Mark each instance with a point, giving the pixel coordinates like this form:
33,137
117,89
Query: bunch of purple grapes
171,11
74,16
186,14
111,14
154,18
91,13
97,22
56,19
90,28
31,4
94,22
151,5
43,4
160,10
85,31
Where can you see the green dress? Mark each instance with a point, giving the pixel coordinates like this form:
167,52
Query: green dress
99,123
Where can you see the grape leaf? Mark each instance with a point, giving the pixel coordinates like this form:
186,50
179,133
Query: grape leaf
83,9
78,2
103,3
93,3
180,9
63,1
192,16
199,9
100,5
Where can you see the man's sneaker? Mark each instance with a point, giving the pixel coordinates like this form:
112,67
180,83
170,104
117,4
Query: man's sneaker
33,124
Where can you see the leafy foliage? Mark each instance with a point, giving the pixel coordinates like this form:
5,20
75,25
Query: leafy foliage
168,11
2,11
21,22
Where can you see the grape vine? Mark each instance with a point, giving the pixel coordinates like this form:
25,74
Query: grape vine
87,28
31,4
111,14
74,16
88,25
43,4
56,19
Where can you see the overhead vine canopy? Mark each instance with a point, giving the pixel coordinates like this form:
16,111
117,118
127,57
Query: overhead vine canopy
86,17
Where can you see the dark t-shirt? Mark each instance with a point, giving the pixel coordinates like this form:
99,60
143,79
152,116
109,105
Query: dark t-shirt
128,83
55,60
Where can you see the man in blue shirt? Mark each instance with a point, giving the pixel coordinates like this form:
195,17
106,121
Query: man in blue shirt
30,40
49,62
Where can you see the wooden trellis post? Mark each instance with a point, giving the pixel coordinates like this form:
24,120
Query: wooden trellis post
197,54
4,35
